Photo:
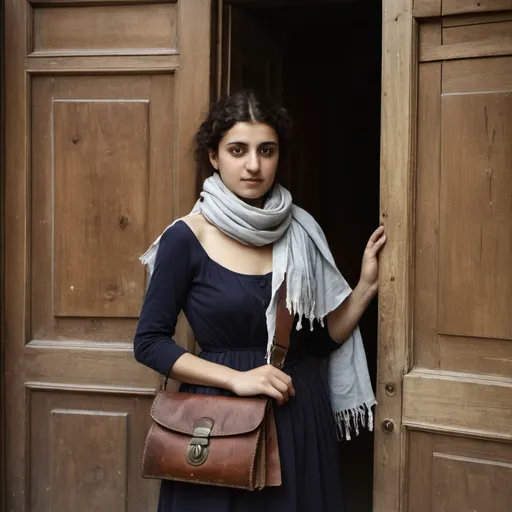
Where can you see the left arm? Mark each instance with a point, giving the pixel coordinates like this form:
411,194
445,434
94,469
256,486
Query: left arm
344,319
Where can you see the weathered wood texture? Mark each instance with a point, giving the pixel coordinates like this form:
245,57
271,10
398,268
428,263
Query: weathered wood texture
100,114
395,300
457,398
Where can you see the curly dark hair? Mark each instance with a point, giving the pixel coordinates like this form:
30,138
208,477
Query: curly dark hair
240,107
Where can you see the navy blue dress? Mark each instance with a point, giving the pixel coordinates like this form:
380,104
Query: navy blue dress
226,311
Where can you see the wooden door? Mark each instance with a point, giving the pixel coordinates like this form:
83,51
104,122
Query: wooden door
444,423
102,101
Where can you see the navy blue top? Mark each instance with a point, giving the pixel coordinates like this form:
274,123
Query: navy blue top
225,309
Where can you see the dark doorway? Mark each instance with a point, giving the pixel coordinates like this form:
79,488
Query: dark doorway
322,61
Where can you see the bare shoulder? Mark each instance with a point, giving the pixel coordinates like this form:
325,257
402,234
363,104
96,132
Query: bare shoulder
198,224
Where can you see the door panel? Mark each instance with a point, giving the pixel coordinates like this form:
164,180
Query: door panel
457,397
452,474
103,28
446,202
91,171
85,451
100,114
475,219
430,8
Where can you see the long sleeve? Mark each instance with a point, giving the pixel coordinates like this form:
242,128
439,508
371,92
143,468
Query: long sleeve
170,282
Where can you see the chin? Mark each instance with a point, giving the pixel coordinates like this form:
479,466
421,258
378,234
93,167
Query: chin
248,195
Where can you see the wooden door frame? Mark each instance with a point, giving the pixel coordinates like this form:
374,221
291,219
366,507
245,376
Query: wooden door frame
2,273
397,189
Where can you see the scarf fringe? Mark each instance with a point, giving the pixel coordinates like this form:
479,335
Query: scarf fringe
302,308
349,420
148,258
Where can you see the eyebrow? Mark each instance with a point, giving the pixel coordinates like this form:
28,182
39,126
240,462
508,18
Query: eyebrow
240,143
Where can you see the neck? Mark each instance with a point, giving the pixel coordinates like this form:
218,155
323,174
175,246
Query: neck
258,203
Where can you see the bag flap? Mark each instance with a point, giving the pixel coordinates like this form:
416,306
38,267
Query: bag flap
231,415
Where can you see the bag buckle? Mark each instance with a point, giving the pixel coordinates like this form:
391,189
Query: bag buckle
197,452
277,355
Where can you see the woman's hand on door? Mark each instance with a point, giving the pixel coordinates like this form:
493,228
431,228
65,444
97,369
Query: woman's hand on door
370,267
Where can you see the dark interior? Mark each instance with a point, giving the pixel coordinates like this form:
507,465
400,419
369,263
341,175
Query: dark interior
330,83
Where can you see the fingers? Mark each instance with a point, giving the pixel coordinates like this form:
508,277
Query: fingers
379,244
377,234
286,380
377,240
281,386
272,392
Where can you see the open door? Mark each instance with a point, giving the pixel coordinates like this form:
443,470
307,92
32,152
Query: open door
444,421
251,56
102,102
333,96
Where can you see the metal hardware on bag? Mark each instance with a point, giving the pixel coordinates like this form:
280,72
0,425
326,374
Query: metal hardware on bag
277,355
197,452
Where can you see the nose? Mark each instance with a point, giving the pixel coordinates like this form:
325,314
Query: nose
253,162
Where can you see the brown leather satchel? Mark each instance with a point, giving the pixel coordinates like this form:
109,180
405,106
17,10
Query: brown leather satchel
218,440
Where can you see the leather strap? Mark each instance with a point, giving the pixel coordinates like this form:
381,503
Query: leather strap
284,324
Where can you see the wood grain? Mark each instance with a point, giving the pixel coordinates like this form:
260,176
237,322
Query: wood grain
106,471
45,91
15,294
86,364
497,32
101,155
487,38
76,3
101,64
3,468
426,8
430,36
475,290
124,104
426,280
474,6
396,270
104,28
475,355
475,19
460,403
467,76
462,473
93,442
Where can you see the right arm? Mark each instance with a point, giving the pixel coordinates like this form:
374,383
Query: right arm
155,347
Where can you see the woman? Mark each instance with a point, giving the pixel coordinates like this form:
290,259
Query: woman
222,265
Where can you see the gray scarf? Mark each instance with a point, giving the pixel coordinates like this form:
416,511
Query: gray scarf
314,285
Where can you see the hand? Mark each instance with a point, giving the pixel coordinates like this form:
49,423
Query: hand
370,266
264,380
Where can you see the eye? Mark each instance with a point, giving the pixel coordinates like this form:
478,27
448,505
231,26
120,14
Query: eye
236,151
267,151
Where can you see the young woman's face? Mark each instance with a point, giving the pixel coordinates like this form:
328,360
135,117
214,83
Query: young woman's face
247,160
